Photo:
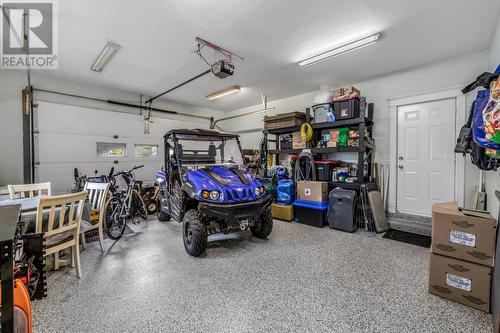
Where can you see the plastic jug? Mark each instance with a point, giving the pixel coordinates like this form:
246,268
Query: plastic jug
285,192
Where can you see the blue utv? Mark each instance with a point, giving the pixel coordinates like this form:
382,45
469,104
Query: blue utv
204,184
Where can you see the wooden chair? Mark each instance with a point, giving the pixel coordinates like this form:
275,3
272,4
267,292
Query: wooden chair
97,194
29,190
64,234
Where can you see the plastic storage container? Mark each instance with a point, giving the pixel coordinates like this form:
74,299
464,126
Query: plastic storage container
346,109
323,113
286,141
324,170
285,192
311,213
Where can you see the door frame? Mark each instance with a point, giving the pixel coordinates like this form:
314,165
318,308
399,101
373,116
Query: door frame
394,103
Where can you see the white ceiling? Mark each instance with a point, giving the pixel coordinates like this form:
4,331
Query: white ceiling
157,38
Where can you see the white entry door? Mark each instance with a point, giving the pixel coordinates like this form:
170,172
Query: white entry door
426,161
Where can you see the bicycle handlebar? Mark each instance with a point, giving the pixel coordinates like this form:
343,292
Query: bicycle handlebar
134,168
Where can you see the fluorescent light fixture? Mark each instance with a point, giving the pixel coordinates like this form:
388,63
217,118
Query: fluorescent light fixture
105,56
340,50
222,93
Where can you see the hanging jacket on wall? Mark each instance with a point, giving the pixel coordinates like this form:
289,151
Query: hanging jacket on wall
464,139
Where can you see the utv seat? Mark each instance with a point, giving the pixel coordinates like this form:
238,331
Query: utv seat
196,156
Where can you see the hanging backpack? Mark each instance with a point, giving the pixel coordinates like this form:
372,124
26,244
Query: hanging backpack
486,121
485,152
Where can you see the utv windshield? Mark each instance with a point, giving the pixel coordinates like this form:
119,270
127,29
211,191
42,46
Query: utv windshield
207,150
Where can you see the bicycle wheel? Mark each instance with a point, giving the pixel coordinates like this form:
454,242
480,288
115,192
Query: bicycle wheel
114,222
138,205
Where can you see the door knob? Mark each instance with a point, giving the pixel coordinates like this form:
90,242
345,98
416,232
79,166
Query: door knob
400,166
400,158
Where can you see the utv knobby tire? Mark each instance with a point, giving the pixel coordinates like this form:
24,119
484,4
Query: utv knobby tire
194,233
264,225
160,214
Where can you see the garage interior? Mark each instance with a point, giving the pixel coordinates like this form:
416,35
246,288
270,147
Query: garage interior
252,166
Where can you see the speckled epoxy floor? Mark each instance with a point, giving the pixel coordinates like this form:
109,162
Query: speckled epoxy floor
302,279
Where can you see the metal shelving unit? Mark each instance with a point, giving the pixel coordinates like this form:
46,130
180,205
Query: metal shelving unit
364,125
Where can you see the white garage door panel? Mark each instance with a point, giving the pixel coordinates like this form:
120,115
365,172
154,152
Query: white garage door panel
61,174
82,148
68,136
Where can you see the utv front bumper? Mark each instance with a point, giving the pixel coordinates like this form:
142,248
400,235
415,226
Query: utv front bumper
236,212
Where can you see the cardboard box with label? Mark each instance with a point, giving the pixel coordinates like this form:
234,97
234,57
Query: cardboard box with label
461,236
460,281
297,142
312,191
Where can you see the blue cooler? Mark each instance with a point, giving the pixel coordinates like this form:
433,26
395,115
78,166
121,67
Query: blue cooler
285,192
311,213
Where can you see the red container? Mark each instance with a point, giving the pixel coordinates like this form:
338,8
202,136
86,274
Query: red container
324,169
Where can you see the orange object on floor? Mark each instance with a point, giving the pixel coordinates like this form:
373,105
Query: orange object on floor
22,308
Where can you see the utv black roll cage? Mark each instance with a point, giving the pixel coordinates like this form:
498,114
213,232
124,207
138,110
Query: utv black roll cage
197,156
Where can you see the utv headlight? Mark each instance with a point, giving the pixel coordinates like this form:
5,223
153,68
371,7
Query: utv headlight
257,191
262,189
205,194
214,195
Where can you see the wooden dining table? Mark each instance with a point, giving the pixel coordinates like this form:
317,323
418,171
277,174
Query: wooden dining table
28,210
29,207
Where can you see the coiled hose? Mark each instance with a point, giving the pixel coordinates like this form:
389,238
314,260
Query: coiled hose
306,132
309,172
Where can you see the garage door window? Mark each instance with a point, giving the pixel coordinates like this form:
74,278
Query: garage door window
111,149
146,150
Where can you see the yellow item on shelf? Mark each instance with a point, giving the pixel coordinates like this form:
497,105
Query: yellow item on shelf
270,159
306,132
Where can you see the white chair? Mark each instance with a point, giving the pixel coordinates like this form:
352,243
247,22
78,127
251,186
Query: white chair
64,234
97,194
29,190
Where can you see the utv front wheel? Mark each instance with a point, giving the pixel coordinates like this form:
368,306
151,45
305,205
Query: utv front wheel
194,233
263,226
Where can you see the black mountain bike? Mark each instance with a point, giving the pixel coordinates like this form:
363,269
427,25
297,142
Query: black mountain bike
123,204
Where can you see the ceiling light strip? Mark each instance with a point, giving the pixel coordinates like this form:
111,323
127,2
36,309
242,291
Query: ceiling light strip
340,50
108,52
222,93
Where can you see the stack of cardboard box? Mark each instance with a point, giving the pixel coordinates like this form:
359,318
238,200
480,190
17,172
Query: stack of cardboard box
461,257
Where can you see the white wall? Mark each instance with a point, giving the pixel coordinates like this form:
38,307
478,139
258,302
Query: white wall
495,48
449,73
492,179
11,84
